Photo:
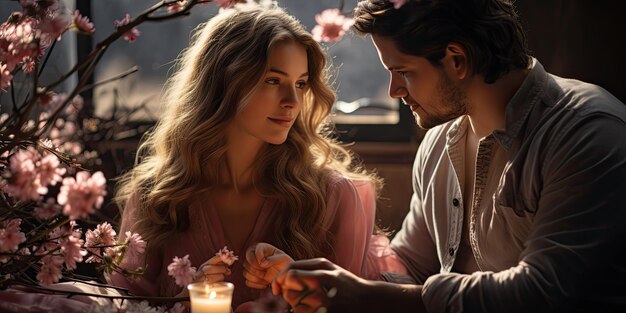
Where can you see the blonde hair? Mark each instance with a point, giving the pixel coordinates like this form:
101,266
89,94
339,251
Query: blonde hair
182,155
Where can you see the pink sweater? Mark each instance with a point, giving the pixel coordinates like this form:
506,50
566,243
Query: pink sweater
350,218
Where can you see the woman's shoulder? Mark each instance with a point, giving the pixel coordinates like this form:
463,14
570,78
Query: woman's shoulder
337,179
341,185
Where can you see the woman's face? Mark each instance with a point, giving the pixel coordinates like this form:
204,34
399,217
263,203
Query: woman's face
274,106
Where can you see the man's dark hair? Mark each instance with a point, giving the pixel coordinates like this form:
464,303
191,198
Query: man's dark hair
489,30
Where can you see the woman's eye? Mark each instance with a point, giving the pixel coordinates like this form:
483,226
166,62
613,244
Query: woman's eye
272,81
301,84
402,73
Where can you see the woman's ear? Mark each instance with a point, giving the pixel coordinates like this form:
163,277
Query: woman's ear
456,61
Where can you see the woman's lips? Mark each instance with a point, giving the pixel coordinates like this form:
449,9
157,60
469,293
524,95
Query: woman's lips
282,121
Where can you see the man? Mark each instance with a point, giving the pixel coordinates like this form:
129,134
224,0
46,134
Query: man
518,201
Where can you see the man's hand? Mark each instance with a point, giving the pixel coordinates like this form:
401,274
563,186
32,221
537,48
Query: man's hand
262,265
318,285
310,285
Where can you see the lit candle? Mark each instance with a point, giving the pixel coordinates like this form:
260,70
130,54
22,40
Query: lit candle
211,298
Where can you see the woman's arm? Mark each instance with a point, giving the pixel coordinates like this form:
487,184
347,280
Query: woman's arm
352,209
145,284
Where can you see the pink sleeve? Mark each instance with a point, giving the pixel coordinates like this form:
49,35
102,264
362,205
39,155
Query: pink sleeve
353,205
381,258
144,285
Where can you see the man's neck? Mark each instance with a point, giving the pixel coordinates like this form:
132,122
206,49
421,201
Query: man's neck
489,101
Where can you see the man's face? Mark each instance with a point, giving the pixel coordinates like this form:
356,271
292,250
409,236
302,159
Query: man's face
432,95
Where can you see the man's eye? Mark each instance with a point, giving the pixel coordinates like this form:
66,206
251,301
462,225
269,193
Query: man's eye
402,73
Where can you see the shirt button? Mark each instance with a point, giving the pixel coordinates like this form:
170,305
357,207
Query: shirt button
451,251
455,202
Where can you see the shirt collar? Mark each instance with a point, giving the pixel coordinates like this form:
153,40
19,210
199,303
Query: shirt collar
519,107
517,110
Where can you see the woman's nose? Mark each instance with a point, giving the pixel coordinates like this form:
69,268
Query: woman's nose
290,99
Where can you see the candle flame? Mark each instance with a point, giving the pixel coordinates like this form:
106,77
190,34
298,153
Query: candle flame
212,295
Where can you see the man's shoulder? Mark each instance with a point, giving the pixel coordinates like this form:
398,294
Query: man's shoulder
585,98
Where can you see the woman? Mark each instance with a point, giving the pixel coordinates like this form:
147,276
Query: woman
237,158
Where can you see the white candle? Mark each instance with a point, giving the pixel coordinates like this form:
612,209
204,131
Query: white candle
211,298
208,305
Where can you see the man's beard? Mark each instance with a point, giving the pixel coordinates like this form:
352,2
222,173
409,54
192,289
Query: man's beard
451,98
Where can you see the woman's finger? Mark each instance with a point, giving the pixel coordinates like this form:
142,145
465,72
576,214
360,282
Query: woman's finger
214,278
256,279
216,260
255,270
209,278
250,254
256,285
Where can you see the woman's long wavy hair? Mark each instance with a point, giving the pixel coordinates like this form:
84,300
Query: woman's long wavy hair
181,157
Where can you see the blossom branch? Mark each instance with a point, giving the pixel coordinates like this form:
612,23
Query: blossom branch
94,56
121,30
130,71
78,293
45,60
82,81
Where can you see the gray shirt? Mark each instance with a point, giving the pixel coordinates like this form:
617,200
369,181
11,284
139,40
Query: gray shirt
547,224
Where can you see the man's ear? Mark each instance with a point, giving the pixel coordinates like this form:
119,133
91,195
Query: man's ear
457,63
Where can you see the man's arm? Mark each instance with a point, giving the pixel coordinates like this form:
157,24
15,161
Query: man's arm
309,285
572,250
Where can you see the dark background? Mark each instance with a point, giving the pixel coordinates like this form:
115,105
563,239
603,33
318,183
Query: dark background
580,39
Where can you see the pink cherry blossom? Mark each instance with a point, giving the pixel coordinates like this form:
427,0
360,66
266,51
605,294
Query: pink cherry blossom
5,77
136,246
176,6
11,236
398,3
102,235
82,195
71,247
23,179
74,106
178,308
130,35
331,25
47,209
181,270
55,101
19,42
50,271
227,256
82,23
49,171
54,25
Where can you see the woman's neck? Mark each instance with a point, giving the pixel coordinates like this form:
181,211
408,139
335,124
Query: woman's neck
238,174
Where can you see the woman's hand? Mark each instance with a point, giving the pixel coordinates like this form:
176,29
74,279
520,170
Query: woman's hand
263,263
212,271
